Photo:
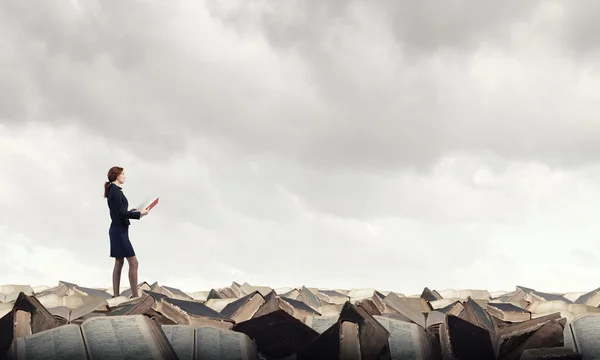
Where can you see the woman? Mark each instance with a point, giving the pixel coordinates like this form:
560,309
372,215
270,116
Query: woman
120,246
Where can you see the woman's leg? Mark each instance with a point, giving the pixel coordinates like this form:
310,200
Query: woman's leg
116,279
133,275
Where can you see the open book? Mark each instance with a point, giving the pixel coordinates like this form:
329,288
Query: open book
114,337
582,335
207,342
146,205
407,340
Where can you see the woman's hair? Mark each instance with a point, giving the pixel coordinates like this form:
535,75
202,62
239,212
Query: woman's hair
112,176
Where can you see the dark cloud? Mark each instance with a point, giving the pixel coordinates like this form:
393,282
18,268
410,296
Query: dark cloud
581,31
421,27
344,85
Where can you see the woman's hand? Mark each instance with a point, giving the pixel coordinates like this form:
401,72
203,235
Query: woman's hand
144,212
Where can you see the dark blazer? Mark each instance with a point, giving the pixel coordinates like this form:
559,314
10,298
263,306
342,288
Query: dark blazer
118,205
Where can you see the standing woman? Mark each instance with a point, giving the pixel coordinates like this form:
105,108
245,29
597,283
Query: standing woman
120,246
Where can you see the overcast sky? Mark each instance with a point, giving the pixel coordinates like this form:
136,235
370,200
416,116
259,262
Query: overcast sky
338,144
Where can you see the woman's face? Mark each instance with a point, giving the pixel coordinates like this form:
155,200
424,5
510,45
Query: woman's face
121,178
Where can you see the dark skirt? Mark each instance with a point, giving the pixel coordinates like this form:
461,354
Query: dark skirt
120,246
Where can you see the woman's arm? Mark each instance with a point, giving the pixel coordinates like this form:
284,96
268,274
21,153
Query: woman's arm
115,203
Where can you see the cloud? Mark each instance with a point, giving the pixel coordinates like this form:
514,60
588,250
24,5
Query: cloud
329,141
25,261
413,82
581,30
420,27
347,95
585,257
227,216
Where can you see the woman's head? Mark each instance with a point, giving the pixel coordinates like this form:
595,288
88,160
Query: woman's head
115,174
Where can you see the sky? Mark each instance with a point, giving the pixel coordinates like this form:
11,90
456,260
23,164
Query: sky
334,144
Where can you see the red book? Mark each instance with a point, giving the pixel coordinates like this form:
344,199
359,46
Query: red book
147,205
152,204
